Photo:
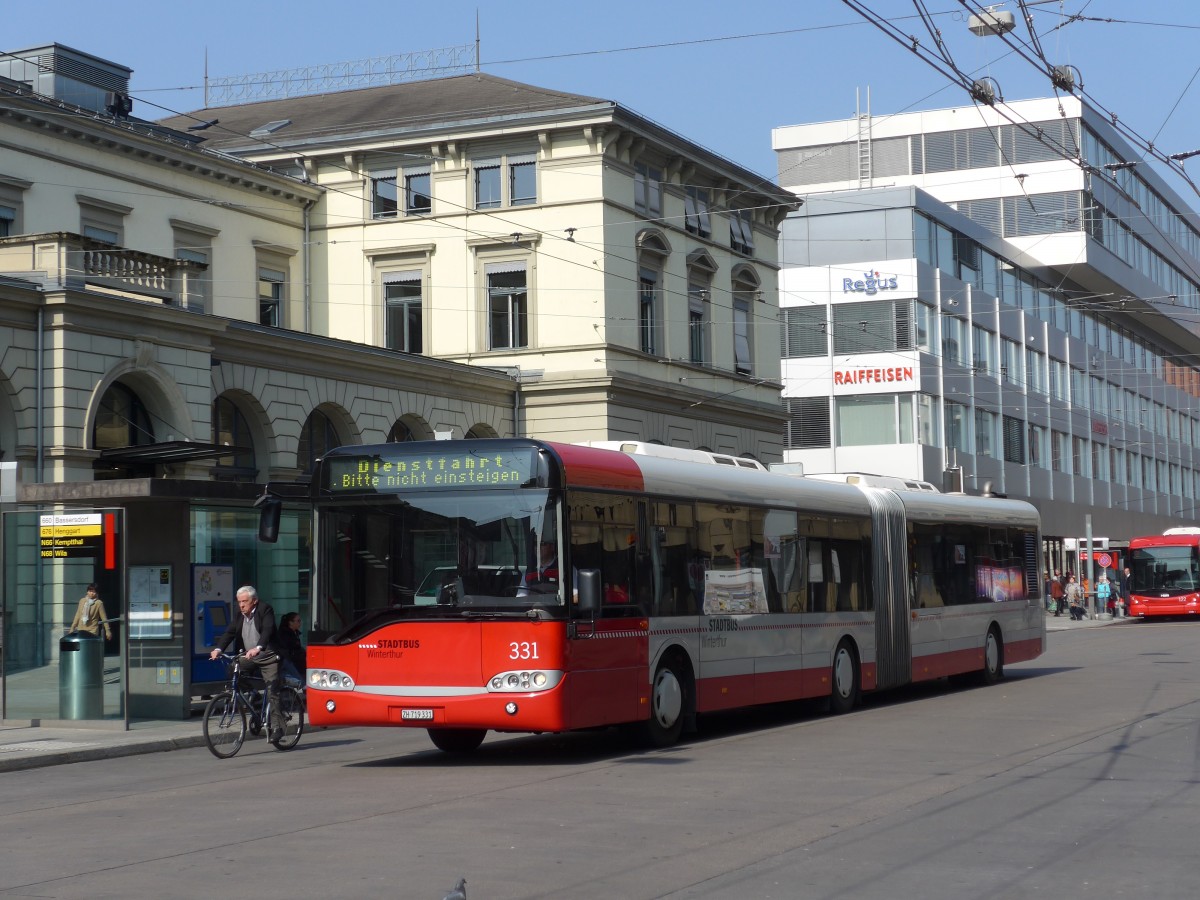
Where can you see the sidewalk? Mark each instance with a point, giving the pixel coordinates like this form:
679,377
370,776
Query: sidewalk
1066,623
26,746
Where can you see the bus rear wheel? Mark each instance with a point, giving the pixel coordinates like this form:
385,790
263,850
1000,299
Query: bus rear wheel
457,740
668,696
993,657
844,683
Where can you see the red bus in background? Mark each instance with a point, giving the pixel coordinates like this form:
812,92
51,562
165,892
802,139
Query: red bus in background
1165,574
525,586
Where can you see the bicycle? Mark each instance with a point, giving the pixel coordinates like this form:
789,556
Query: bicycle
229,715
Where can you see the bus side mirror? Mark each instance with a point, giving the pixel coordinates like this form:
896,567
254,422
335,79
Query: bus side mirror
269,510
589,591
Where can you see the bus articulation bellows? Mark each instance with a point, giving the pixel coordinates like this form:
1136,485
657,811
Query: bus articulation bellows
528,586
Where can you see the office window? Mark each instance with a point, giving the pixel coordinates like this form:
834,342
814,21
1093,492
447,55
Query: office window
505,180
696,211
522,179
1010,361
886,419
1014,440
923,323
1080,458
1079,397
985,434
958,435
647,190
1059,460
487,184
195,245
698,319
983,351
875,326
954,339
270,296
1035,371
742,353
741,231
1116,465
102,220
1059,389
648,311
929,426
865,420
12,193
418,191
402,313
1037,447
508,306
384,196
808,422
1099,461
805,331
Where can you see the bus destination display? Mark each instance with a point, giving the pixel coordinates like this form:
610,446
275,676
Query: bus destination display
399,472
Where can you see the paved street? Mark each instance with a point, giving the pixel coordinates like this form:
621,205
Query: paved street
1075,777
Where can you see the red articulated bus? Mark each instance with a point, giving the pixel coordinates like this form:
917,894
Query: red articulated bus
526,586
1165,574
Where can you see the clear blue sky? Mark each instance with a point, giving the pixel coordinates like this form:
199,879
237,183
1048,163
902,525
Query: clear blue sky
722,74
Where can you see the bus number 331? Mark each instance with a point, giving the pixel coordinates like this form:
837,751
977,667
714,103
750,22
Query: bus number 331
522,650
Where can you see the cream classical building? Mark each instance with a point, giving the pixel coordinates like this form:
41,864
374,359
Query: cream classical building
627,275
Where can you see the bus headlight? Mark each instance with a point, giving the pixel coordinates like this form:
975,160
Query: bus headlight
329,680
524,681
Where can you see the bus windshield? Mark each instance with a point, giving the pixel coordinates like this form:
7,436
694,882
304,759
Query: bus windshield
441,554
1170,571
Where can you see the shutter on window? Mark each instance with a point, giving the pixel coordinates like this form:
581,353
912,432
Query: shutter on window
808,422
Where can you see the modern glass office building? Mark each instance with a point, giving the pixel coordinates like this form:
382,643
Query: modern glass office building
999,296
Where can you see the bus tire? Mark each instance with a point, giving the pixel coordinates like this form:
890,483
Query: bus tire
993,657
845,684
457,740
668,704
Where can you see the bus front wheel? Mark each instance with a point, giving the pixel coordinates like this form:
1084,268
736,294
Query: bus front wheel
457,740
844,692
667,706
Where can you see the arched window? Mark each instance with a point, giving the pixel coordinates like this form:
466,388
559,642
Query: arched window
122,420
400,433
318,438
652,254
230,429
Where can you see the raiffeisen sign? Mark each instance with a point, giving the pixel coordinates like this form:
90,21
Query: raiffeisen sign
876,373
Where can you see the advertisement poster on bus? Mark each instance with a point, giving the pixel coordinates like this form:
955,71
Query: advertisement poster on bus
732,592
999,583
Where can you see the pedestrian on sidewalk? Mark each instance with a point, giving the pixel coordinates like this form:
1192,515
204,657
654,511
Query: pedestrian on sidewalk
90,615
1074,597
1104,595
1057,592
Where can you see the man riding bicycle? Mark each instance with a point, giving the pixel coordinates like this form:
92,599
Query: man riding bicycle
253,627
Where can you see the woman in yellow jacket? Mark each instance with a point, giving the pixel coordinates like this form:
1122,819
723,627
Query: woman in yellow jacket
91,615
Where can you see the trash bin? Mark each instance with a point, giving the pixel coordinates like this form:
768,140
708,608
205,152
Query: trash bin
81,676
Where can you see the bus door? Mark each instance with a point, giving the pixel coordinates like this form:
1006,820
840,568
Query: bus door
608,654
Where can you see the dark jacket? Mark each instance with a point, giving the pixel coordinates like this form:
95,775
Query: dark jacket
264,621
288,643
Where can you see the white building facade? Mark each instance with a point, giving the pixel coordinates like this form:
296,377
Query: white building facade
960,292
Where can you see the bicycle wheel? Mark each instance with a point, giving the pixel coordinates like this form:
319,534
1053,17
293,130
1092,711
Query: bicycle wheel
291,709
224,725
